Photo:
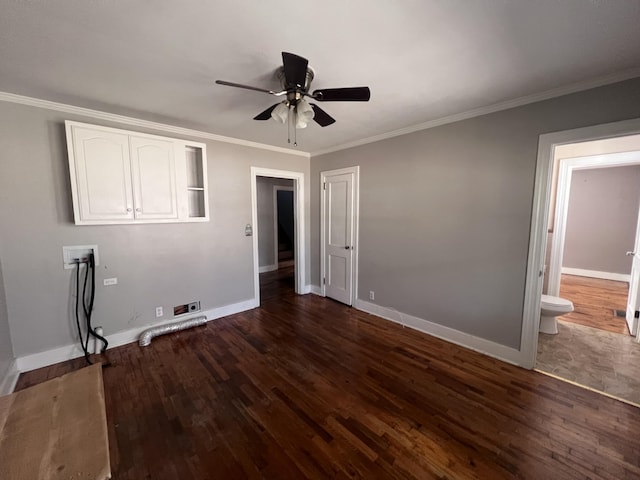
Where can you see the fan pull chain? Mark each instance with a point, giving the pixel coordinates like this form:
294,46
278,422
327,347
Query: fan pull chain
295,125
289,125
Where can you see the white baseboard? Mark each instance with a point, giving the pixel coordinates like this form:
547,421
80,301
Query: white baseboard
68,352
316,290
9,379
619,277
487,347
267,268
306,289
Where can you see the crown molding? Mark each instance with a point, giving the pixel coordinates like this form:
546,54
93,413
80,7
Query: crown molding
477,112
111,117
496,107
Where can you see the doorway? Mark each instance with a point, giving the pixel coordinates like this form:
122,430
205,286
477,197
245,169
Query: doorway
284,225
594,225
586,351
594,236
272,221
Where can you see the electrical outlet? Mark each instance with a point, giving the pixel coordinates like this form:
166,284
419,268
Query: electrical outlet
110,281
159,312
372,295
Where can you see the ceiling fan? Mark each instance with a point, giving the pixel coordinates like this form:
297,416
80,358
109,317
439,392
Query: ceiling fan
295,77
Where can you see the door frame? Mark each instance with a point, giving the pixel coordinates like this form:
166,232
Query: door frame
276,189
565,173
299,219
355,171
540,218
630,316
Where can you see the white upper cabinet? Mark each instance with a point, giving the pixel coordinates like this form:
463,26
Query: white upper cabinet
119,176
103,175
154,178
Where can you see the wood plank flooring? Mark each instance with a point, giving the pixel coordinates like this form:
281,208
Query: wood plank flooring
304,387
595,300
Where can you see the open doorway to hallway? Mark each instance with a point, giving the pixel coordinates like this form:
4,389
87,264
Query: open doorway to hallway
594,227
276,236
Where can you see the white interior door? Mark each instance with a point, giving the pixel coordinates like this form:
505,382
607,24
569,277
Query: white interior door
634,284
339,235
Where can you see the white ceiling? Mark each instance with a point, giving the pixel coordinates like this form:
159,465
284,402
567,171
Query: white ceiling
423,60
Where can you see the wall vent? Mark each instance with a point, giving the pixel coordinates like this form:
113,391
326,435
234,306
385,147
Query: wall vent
186,308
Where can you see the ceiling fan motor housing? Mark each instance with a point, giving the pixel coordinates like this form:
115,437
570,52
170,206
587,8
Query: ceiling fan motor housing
295,93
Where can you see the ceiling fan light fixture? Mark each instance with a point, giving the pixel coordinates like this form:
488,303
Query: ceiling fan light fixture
280,113
304,113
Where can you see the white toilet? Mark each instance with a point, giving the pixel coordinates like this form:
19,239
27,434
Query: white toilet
550,308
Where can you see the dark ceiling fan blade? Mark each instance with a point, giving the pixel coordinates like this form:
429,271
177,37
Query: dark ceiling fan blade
295,69
266,115
350,94
321,117
248,87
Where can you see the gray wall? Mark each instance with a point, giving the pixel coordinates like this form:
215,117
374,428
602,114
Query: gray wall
266,237
602,218
445,213
6,347
156,265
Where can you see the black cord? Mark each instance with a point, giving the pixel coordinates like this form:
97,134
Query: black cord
89,309
82,342
87,313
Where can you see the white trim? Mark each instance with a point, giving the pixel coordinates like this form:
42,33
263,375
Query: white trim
68,352
299,206
618,277
586,387
540,218
111,117
496,107
355,172
9,379
565,172
316,290
276,189
267,268
487,347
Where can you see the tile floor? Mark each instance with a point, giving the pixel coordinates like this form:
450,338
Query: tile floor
604,361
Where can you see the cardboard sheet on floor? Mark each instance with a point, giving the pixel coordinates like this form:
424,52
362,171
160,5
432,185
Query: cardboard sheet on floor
56,430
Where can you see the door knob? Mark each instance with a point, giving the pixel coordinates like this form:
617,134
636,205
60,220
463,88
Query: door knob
630,254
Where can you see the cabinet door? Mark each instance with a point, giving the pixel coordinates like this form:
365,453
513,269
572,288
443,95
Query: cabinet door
103,173
154,178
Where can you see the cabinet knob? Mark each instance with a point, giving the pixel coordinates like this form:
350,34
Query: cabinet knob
138,209
129,209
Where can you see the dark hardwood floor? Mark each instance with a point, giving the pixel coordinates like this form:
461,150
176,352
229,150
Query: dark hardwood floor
594,302
304,387
278,283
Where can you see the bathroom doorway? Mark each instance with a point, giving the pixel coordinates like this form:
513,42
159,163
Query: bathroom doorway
593,224
594,237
